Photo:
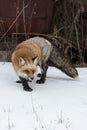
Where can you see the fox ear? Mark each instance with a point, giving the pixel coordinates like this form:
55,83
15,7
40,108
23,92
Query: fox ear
35,59
21,61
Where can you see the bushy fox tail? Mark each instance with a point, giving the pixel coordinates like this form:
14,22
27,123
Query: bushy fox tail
59,60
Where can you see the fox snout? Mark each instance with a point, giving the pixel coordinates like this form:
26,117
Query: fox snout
30,73
27,74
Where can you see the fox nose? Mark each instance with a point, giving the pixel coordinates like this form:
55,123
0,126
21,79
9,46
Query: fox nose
32,78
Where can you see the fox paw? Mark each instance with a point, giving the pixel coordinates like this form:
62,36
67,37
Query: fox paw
28,89
40,81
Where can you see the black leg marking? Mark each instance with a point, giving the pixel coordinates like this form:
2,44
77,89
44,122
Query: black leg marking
18,81
25,84
44,68
39,75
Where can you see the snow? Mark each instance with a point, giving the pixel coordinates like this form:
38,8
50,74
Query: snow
59,104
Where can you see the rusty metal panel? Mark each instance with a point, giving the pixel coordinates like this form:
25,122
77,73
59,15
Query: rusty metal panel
29,15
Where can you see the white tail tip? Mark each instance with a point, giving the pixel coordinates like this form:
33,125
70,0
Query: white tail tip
76,78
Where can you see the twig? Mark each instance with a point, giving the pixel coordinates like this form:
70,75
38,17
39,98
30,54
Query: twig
32,15
15,20
24,20
77,39
36,114
10,125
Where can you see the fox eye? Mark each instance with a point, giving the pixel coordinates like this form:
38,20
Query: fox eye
33,71
21,61
26,71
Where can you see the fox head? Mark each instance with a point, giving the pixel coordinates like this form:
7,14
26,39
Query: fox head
25,61
27,67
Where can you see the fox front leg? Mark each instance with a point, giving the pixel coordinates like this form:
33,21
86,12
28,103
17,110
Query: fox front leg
42,76
25,84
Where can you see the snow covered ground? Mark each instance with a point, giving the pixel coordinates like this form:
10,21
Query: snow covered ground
59,104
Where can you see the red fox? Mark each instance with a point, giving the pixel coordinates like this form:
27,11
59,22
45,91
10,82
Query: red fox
39,51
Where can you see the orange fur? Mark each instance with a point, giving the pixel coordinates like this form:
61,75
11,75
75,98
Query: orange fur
27,51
